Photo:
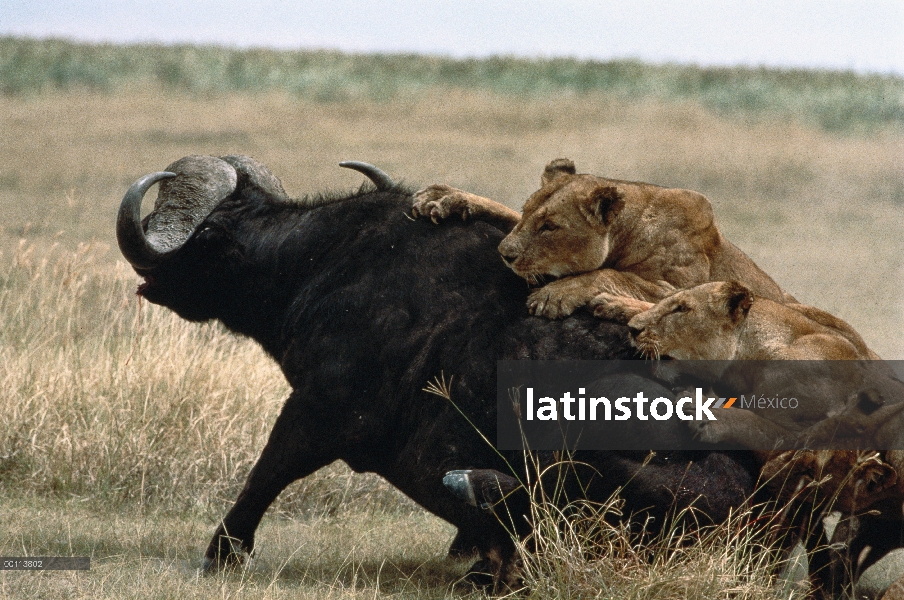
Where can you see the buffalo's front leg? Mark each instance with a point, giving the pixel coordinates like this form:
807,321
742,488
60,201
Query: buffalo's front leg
290,454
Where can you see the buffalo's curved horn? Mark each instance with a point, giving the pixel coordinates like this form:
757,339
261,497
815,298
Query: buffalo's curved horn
133,242
191,188
383,181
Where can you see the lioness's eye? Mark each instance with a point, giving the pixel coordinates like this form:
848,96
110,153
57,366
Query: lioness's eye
547,227
680,308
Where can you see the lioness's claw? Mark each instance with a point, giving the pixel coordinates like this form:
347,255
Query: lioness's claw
606,306
553,302
440,202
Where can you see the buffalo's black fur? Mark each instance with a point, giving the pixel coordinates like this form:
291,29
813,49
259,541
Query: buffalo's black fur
361,307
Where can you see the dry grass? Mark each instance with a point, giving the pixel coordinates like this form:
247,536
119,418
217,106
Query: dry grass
822,214
579,555
354,554
130,431
154,555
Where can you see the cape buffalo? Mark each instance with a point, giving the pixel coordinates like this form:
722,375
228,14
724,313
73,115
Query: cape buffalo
362,306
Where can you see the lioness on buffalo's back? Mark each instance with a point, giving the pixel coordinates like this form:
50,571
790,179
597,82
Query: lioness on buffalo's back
622,247
725,320
628,239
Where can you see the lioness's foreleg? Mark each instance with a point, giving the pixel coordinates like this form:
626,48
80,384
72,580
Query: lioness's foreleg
440,201
561,298
619,309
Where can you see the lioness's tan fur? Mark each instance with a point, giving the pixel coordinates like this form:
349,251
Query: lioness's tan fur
725,321
629,239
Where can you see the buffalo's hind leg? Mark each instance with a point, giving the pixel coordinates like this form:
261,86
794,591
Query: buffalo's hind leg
290,454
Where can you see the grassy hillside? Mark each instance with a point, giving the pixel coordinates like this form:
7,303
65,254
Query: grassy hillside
834,101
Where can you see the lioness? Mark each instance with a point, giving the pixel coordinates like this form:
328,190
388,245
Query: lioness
723,321
629,239
726,320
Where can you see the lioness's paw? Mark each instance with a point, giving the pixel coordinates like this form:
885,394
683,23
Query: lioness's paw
553,302
610,307
620,309
440,201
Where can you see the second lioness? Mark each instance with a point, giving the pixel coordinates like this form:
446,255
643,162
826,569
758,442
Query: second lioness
629,239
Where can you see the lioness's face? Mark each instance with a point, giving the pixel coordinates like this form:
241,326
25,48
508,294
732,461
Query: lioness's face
564,228
696,324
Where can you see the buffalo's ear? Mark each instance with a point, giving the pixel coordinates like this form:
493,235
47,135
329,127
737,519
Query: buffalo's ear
738,300
559,167
605,203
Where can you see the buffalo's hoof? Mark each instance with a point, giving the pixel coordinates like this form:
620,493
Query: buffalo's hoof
481,574
459,483
496,576
483,488
227,557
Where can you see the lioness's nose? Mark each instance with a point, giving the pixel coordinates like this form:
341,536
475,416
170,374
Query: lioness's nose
508,253
634,329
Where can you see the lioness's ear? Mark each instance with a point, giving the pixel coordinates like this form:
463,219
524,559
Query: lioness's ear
877,476
605,203
869,401
738,300
555,169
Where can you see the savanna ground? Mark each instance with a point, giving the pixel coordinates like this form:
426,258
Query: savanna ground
125,433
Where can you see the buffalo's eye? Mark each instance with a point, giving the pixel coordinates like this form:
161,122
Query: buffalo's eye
210,237
547,226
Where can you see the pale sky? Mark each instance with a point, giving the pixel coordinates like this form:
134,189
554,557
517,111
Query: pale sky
864,35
